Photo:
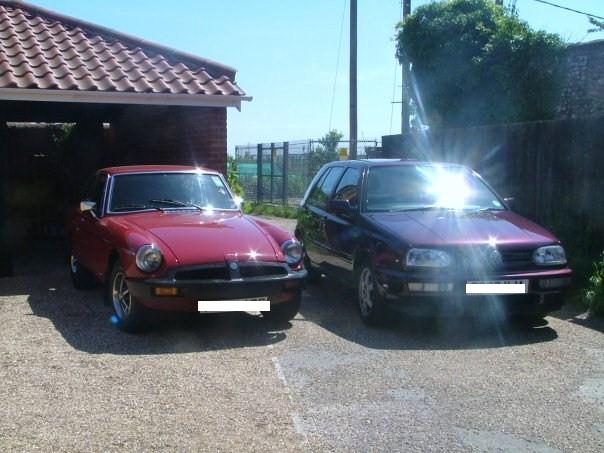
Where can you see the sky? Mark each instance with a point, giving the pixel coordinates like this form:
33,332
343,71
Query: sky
286,54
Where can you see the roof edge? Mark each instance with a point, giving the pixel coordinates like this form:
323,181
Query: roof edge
100,97
214,68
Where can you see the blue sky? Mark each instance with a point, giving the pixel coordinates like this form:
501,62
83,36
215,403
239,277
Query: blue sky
286,51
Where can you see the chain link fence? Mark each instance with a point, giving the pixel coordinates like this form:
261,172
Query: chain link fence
280,172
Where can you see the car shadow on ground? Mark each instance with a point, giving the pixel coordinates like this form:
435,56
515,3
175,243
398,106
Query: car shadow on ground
333,308
85,322
576,314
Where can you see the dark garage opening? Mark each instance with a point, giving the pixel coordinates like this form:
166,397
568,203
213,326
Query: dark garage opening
49,150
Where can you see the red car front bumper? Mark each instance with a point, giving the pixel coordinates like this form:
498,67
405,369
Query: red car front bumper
276,288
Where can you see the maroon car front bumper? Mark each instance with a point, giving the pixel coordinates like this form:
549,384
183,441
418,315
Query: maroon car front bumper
446,292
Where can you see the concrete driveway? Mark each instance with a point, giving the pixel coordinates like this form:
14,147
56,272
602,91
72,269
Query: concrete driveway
72,382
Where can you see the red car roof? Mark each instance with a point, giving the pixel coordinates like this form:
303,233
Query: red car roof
152,168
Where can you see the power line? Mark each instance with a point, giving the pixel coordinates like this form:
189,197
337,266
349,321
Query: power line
335,79
569,9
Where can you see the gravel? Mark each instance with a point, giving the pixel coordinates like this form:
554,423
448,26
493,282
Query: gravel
72,382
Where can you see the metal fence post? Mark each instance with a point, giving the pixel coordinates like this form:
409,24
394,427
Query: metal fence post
259,194
272,170
285,172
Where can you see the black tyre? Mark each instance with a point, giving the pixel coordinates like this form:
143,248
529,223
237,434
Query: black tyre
313,273
129,315
370,303
284,312
80,277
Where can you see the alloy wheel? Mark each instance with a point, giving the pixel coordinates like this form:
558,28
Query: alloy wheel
366,286
120,294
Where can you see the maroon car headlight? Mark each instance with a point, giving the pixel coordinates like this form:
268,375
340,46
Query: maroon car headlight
148,258
428,258
292,250
550,255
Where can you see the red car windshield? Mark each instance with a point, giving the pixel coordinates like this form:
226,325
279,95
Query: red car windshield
419,187
132,192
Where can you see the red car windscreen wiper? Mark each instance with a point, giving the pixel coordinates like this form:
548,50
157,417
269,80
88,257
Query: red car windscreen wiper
176,203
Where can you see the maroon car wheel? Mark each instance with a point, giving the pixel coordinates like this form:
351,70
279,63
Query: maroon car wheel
370,304
313,273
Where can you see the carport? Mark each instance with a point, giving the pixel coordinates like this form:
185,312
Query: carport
75,97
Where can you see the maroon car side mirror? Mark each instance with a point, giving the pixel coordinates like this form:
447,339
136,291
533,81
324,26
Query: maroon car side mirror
509,201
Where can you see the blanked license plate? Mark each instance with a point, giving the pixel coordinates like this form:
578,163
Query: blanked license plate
251,304
497,287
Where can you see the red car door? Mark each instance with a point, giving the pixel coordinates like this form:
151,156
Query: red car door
90,242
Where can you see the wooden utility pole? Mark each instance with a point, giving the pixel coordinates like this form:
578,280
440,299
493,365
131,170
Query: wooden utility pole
406,75
353,80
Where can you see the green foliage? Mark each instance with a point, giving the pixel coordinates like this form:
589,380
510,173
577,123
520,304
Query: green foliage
232,177
326,152
594,294
475,62
62,134
273,210
598,25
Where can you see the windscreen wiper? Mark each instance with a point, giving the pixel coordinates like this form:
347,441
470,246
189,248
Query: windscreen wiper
124,207
176,203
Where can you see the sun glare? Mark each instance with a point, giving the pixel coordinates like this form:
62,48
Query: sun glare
450,189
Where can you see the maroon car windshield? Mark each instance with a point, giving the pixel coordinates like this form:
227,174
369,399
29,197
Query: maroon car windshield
425,186
139,191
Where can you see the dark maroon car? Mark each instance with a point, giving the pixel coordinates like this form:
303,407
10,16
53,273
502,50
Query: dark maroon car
174,238
427,238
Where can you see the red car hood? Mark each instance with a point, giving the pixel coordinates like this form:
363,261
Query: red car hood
439,227
207,237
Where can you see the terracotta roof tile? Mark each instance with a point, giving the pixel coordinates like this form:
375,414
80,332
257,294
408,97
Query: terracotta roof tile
40,49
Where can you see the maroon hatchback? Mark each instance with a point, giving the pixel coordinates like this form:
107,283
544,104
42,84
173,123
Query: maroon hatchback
427,238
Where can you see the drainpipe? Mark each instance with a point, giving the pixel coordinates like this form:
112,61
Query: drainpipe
6,263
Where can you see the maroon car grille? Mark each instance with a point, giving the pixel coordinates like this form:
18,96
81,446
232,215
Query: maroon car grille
517,259
477,259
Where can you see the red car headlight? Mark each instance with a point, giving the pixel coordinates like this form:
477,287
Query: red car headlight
292,250
148,258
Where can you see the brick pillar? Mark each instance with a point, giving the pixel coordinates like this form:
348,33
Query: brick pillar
6,264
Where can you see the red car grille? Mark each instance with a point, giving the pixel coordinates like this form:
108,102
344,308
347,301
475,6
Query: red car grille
208,273
246,270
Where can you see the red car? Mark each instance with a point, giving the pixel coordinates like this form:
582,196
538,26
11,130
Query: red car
167,237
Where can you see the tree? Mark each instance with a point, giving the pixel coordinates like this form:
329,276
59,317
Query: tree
233,176
475,62
326,152
598,24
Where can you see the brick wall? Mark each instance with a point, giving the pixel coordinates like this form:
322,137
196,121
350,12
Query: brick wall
169,135
583,92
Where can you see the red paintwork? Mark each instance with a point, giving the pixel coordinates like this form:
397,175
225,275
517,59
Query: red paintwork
194,237
457,228
151,168
185,237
